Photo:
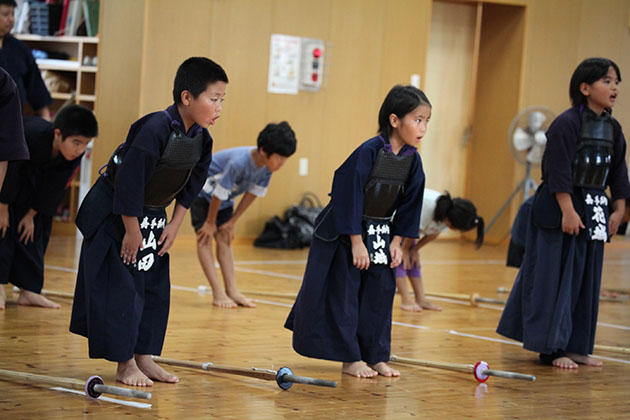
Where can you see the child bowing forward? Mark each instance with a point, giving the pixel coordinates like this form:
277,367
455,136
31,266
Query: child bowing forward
237,171
122,295
343,311
31,194
439,211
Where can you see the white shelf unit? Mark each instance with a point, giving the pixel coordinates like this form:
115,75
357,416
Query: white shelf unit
81,78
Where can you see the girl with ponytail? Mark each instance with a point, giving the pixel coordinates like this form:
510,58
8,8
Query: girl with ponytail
438,213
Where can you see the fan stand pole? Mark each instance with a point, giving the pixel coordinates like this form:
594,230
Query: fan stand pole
527,185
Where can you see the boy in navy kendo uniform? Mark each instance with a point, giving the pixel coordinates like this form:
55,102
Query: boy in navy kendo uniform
31,193
239,170
121,300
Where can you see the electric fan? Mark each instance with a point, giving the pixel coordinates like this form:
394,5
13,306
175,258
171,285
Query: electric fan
526,139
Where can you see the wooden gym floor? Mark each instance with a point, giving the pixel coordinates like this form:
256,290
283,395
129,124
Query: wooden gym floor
37,340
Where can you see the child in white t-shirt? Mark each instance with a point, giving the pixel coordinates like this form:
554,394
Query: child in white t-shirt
438,213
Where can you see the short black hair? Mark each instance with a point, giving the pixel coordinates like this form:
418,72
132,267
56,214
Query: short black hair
400,101
76,120
8,3
461,213
195,75
589,71
277,138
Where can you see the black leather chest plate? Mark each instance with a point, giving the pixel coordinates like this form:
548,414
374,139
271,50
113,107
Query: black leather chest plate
385,185
593,156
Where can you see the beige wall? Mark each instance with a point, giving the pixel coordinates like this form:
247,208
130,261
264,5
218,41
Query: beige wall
373,44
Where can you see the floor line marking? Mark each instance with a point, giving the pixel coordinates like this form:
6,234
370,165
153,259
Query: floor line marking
271,273
113,400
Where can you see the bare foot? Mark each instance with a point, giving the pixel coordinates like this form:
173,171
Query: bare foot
3,296
585,359
410,307
384,370
564,362
359,369
241,300
34,299
427,304
222,300
153,370
129,374
408,304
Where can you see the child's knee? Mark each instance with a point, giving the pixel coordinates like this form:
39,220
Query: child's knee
222,241
204,243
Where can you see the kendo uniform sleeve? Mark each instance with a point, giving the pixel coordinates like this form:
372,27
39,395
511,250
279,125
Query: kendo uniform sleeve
148,137
19,183
407,218
12,143
618,177
15,177
36,92
560,150
52,183
198,175
348,188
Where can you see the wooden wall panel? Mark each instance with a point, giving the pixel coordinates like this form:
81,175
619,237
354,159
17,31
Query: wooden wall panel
353,86
500,62
605,32
406,23
119,75
448,85
172,34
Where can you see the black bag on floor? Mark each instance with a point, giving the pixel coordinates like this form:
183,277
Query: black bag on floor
295,230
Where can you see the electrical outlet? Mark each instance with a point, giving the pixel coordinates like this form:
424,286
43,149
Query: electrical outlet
303,167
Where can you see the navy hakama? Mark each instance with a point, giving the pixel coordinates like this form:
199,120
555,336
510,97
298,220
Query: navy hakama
554,302
23,265
121,309
342,313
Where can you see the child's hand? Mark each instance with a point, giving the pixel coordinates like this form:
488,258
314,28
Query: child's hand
228,229
571,223
396,253
411,258
614,222
360,256
26,228
167,238
205,233
132,241
4,218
